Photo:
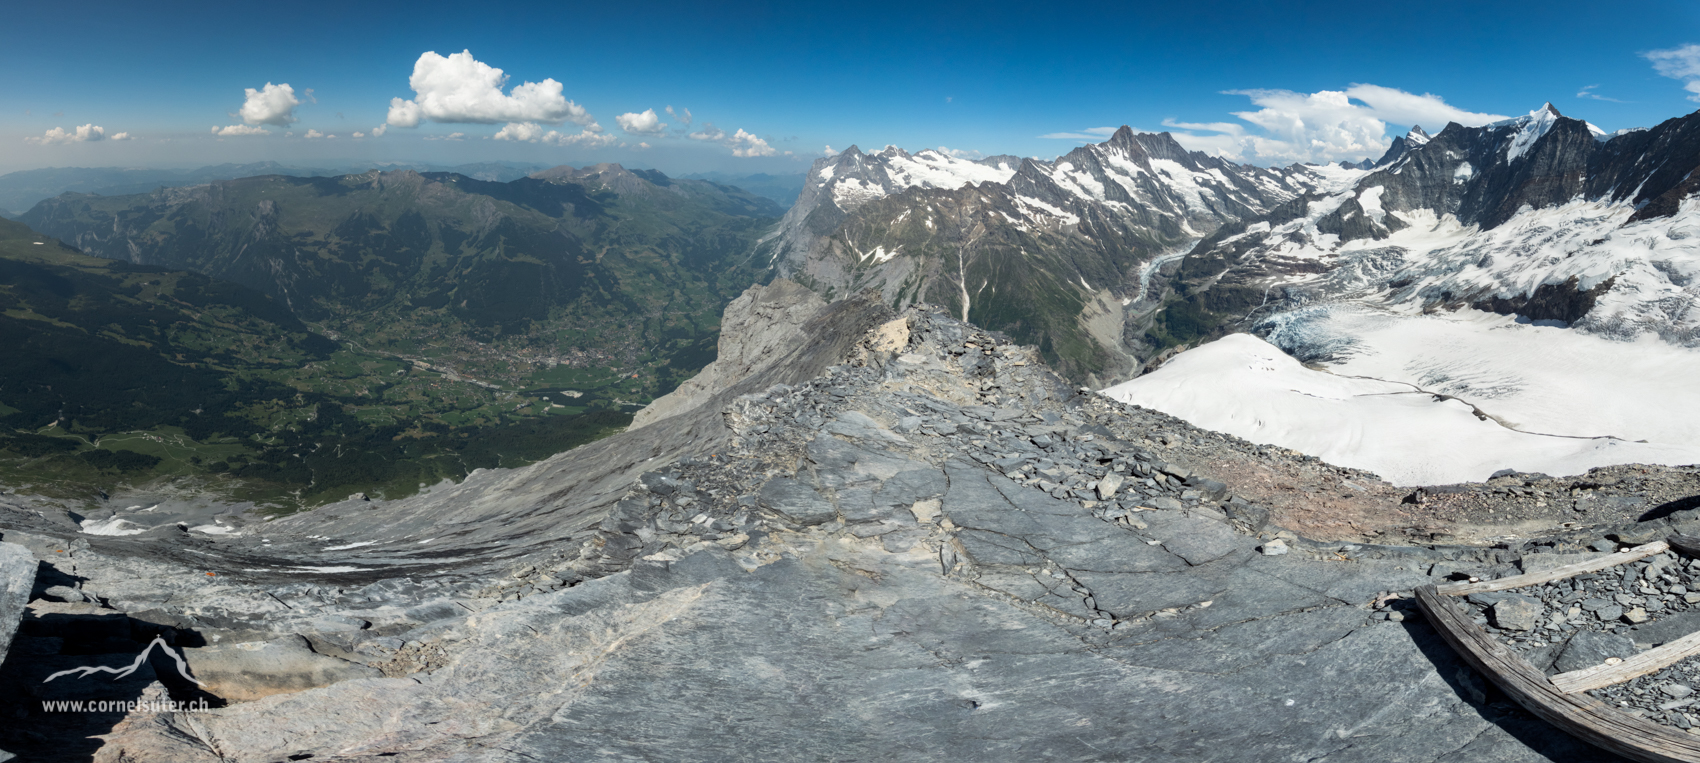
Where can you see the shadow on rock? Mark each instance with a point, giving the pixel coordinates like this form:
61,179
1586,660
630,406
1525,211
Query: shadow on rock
54,698
1493,705
1671,507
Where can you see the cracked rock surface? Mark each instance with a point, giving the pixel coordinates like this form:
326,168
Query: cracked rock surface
903,539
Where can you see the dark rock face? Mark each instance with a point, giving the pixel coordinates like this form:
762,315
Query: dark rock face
1401,146
1566,301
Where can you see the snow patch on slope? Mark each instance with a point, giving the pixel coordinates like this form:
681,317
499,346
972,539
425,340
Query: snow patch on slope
931,169
1332,178
111,526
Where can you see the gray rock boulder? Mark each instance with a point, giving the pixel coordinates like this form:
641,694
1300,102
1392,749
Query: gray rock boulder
1517,613
760,325
1589,648
797,501
17,577
249,671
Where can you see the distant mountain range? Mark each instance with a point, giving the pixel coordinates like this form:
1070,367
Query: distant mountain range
782,189
21,190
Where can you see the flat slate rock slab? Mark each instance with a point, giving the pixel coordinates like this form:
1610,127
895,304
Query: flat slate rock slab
17,577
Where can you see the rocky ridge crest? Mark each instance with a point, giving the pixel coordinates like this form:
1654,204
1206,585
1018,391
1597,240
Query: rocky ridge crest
906,519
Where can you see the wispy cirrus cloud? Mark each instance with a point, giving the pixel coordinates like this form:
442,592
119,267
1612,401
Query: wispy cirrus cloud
1588,92
1681,63
1088,134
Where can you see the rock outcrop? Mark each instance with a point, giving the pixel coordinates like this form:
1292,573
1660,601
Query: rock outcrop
17,578
761,325
899,537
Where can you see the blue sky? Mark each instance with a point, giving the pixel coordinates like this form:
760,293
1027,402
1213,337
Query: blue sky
988,78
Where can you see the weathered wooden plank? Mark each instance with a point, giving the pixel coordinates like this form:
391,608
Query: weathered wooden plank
1580,715
1651,661
1557,573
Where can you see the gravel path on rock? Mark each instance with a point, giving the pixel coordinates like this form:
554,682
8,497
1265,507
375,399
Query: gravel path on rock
1609,615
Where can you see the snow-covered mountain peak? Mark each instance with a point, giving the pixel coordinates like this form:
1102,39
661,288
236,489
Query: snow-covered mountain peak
1416,137
1529,129
853,178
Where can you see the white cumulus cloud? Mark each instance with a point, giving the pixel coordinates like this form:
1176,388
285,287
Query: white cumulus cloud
1325,126
646,122
270,105
85,134
520,131
531,132
123,136
746,145
743,144
587,138
315,134
238,130
461,89
1680,64
829,151
378,132
359,134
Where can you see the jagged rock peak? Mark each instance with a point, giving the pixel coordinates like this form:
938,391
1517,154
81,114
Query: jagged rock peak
1123,136
1410,141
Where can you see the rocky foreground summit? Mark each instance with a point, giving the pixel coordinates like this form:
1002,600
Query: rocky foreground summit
860,536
